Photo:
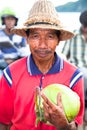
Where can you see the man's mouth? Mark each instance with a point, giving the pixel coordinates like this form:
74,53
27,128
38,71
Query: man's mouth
42,52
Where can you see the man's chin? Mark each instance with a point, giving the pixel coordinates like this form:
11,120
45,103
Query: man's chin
42,57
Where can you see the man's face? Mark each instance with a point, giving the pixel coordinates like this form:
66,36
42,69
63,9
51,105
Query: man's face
42,43
84,32
9,22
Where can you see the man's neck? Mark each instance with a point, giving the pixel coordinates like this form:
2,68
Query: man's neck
45,66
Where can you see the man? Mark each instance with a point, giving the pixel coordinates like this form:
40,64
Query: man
43,32
10,44
75,49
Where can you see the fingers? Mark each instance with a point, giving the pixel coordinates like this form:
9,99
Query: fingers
59,100
52,105
37,90
44,97
48,102
53,111
46,111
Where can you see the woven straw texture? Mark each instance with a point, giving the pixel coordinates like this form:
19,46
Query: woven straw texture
43,15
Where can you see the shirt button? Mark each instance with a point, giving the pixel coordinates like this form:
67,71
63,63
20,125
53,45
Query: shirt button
43,77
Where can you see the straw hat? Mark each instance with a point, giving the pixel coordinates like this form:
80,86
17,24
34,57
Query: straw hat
43,15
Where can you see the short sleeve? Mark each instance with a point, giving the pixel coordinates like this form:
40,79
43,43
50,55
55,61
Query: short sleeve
6,101
79,89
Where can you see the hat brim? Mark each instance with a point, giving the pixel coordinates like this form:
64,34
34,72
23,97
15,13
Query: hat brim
65,34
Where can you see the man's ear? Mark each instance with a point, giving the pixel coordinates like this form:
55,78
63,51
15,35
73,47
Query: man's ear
26,37
58,42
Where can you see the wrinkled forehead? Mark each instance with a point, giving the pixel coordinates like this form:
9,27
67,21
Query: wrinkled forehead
46,31
41,30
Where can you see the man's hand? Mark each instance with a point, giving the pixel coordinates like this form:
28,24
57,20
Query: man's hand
4,127
55,114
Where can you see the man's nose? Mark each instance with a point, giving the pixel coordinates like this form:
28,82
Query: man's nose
43,42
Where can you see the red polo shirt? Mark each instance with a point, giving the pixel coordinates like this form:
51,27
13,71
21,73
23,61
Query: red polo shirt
17,87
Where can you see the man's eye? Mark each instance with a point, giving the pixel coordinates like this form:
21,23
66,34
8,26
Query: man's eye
34,36
50,36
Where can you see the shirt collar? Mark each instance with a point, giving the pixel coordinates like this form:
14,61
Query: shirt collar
33,69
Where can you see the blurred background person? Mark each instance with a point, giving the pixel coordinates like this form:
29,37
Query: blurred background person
3,64
12,46
75,49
